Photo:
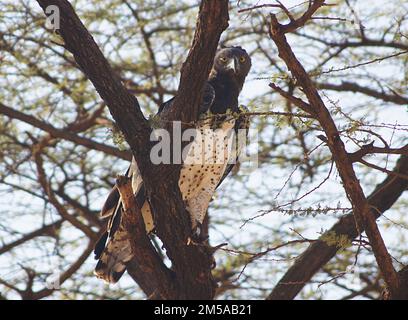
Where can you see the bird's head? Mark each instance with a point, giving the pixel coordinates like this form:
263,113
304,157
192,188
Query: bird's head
232,61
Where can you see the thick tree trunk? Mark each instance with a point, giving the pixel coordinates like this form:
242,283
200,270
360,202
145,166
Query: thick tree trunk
191,265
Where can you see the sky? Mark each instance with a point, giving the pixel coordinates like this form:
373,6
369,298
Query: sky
255,87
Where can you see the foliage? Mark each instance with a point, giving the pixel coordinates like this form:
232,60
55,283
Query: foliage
291,196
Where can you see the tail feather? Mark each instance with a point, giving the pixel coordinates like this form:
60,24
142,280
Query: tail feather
100,245
113,259
113,249
110,204
110,276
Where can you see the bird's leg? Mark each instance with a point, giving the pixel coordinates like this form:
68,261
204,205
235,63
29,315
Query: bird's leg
197,233
195,211
199,240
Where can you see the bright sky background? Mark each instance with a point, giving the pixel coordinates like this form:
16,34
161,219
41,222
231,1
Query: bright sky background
252,88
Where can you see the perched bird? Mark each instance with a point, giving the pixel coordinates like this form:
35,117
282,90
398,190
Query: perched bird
199,178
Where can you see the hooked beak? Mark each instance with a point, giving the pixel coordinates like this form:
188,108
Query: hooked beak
232,65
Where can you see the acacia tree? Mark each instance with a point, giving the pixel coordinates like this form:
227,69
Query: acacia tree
58,162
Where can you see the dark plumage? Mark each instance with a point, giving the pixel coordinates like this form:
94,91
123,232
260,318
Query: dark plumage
197,182
227,77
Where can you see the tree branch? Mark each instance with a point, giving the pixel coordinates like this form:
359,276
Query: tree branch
373,166
354,87
296,101
365,221
298,23
402,293
192,264
44,230
42,178
370,148
64,275
123,106
146,268
212,21
366,42
319,253
63,133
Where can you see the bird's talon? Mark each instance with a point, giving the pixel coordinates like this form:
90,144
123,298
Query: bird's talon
197,235
213,264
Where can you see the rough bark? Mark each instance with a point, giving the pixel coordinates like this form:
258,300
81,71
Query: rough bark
147,268
402,292
191,264
361,209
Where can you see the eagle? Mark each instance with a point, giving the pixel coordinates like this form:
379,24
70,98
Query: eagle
219,110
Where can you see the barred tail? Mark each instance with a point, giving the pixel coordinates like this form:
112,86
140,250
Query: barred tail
113,258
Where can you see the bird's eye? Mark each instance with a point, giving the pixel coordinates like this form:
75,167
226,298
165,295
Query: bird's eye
223,59
242,59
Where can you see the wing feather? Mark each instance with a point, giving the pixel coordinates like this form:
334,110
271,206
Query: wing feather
242,122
